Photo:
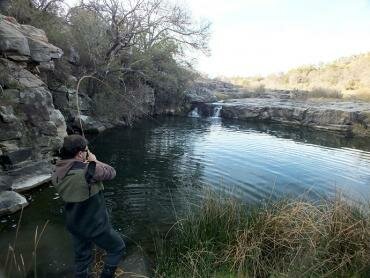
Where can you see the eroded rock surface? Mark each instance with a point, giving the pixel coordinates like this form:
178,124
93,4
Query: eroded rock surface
31,129
343,116
11,202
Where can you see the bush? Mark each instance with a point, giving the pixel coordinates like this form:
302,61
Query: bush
317,92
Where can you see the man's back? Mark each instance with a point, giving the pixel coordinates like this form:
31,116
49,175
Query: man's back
78,179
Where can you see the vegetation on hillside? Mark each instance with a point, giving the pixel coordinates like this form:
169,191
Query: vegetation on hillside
346,77
286,238
127,46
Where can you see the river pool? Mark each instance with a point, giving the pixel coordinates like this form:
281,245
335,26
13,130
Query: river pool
164,164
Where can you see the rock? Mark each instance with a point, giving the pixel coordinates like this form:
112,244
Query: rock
30,175
18,77
46,66
5,183
28,182
198,94
7,146
11,95
329,115
34,33
14,157
18,58
89,124
60,99
19,40
12,40
7,114
10,131
58,119
42,51
11,202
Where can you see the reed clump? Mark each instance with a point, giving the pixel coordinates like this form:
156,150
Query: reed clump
296,238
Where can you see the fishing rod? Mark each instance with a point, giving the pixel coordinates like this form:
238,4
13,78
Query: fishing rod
113,91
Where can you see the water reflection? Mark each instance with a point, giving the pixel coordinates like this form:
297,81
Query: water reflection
161,165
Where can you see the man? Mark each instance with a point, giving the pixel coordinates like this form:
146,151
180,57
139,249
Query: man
78,179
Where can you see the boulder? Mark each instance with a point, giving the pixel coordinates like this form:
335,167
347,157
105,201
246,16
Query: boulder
42,51
12,40
11,202
25,183
30,175
23,41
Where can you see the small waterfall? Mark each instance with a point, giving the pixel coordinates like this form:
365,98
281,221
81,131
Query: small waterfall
194,113
216,111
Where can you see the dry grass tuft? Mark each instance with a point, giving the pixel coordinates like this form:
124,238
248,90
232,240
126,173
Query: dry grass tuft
282,238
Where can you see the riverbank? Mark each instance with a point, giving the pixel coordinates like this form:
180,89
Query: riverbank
291,237
350,118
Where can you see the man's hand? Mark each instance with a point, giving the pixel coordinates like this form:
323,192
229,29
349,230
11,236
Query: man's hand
91,157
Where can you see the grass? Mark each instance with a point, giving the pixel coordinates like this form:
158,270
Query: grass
14,264
287,238
317,92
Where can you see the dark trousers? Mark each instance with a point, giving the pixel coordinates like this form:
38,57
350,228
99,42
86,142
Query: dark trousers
109,240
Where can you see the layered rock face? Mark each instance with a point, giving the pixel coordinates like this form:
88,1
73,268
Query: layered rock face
31,129
352,118
349,117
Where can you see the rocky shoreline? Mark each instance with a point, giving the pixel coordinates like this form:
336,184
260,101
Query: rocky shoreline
31,128
351,118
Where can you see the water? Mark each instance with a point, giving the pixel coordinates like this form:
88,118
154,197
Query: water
163,165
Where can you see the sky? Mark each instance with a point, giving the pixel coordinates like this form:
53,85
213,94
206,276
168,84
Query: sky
260,37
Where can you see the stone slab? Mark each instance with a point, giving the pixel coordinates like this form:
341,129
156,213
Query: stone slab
11,202
17,156
29,182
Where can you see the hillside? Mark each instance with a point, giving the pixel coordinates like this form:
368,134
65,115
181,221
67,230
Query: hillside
347,77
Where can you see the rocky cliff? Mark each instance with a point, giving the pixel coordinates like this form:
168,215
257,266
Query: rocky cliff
31,129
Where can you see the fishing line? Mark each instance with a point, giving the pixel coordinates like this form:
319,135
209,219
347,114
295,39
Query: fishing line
113,91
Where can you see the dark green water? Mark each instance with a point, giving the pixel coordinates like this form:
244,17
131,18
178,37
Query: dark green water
163,165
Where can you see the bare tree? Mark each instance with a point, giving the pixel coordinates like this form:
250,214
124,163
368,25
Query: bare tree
143,23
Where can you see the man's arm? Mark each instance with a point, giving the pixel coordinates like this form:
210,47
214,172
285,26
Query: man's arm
103,171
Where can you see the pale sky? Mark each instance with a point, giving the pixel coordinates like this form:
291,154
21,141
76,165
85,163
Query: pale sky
259,37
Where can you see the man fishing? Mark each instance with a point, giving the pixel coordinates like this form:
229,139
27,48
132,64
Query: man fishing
78,179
